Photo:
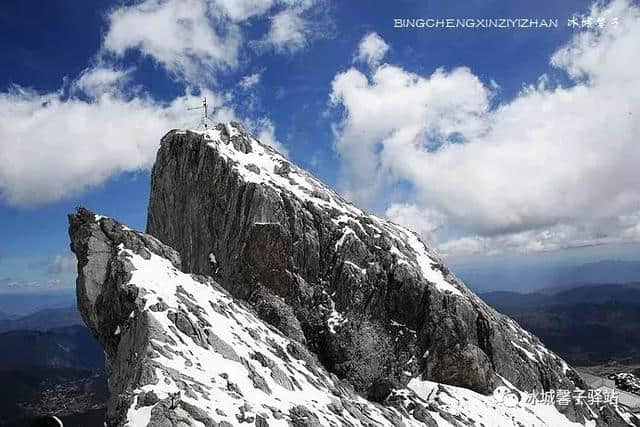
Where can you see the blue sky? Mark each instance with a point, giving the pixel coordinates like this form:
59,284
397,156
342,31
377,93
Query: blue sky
504,150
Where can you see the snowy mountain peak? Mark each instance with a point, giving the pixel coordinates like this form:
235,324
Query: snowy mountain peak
330,271
265,297
260,163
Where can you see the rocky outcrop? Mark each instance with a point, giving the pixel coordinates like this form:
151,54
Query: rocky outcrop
375,304
266,298
181,351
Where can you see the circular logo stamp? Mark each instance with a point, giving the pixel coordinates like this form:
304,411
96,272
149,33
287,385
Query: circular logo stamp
506,396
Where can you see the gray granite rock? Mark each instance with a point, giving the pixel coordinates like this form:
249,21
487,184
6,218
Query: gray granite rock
297,259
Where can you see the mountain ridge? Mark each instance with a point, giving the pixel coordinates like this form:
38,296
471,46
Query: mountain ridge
42,320
65,347
279,231
241,240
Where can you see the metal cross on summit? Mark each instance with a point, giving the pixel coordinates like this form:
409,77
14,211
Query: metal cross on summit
204,108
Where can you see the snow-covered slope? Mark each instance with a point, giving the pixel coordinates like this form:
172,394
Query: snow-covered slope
181,351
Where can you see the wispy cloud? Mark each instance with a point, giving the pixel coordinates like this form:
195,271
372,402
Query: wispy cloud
101,79
21,285
65,263
294,28
249,81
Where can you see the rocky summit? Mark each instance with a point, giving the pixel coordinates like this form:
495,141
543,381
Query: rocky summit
260,296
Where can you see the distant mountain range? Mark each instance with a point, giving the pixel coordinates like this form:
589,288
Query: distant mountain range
4,316
42,320
14,305
68,347
587,325
545,278
606,271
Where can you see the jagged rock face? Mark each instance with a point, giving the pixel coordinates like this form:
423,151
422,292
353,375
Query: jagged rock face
374,303
181,351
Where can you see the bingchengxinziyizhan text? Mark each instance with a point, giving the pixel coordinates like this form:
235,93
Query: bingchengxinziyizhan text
501,23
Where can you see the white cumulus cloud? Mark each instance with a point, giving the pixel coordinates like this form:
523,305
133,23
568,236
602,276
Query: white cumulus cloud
57,144
182,35
197,39
95,81
241,10
372,49
287,31
554,167
52,147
